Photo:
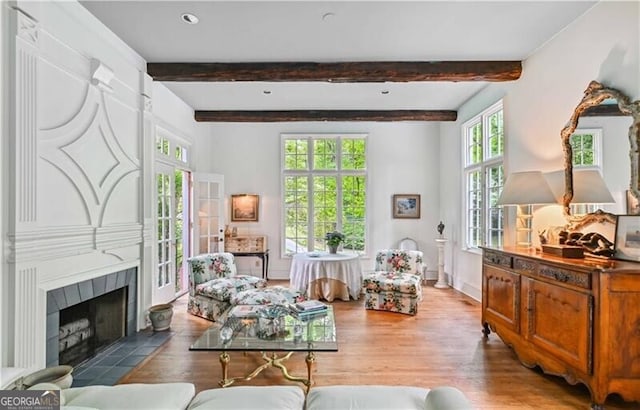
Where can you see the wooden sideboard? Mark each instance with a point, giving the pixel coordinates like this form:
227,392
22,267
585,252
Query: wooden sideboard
575,318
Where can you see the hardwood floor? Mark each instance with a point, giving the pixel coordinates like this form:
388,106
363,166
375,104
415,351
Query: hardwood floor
441,345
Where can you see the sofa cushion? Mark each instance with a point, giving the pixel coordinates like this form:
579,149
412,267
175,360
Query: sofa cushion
366,398
160,396
250,398
278,295
225,288
446,398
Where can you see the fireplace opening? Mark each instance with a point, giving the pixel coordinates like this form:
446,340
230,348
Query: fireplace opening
92,325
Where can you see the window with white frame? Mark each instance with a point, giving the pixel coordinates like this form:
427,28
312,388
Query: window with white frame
324,180
173,213
484,177
586,147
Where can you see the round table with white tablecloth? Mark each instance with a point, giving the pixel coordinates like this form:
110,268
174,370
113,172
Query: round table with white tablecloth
322,275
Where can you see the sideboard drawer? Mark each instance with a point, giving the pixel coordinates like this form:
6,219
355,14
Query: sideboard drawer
497,258
570,277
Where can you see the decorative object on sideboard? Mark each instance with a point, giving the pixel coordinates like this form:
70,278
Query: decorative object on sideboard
406,206
627,241
591,232
594,95
245,208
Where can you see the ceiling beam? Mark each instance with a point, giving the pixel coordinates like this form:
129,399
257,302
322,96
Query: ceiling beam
324,115
356,72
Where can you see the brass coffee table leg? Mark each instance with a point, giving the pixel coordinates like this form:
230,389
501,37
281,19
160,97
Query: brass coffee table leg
270,361
224,362
310,359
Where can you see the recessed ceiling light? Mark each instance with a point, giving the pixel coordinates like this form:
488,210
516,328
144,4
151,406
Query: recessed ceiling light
267,92
384,92
189,18
328,16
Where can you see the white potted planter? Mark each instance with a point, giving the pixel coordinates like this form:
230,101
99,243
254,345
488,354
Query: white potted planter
160,316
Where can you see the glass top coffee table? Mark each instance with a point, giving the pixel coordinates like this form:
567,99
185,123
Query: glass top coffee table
271,337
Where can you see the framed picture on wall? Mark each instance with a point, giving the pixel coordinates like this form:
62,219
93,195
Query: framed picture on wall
627,242
406,206
244,208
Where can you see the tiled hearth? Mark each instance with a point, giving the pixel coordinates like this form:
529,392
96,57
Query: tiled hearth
108,366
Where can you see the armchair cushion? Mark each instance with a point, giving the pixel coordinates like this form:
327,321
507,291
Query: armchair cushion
392,282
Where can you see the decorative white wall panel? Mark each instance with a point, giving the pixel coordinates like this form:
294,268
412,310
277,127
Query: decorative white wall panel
25,143
78,166
29,320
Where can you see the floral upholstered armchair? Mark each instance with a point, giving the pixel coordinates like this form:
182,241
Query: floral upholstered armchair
213,281
395,285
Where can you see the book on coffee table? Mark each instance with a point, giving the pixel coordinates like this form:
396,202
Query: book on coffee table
309,306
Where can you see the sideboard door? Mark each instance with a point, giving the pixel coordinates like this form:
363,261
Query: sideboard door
560,321
501,298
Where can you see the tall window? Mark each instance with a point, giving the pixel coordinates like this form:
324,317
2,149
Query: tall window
324,189
484,177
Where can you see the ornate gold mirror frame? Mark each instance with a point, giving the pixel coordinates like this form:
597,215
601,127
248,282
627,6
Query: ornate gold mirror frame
595,94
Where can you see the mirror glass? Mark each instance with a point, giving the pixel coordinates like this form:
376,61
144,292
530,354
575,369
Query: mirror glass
613,112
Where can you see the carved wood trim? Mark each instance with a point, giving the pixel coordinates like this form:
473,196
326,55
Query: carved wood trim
595,94
356,72
579,279
325,115
499,259
524,265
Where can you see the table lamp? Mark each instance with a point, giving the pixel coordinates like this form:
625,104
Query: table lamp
526,188
588,186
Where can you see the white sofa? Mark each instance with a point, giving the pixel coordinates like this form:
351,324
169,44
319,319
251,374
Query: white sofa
181,396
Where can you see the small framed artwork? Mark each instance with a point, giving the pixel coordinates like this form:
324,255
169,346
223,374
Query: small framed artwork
244,208
406,206
633,207
627,242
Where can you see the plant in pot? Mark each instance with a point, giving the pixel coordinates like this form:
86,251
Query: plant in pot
333,239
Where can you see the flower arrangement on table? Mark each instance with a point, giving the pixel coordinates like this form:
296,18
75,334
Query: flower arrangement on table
333,239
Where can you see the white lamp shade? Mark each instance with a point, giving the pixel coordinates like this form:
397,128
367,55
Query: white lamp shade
526,188
588,186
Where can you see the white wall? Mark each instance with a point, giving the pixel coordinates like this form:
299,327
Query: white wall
601,45
402,159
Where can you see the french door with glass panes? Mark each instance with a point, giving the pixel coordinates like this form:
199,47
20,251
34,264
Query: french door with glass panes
208,230
173,235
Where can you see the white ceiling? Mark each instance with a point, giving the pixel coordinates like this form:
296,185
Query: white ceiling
266,31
